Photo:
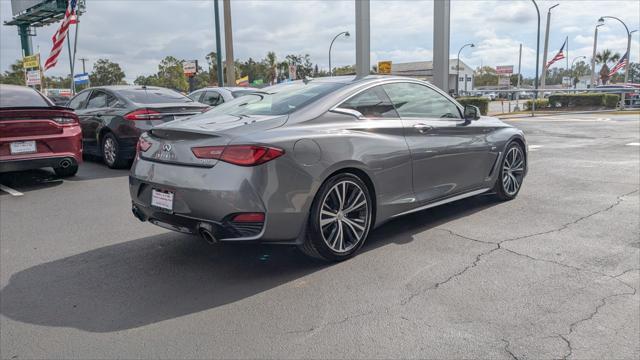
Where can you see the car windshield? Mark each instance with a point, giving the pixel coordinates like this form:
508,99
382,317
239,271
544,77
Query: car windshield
278,99
14,96
153,96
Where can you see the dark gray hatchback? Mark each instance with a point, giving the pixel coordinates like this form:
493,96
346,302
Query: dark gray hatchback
113,117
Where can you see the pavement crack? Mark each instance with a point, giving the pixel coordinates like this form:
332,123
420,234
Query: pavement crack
617,202
507,350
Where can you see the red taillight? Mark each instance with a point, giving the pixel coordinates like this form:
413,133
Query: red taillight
143,114
243,155
143,145
65,120
249,217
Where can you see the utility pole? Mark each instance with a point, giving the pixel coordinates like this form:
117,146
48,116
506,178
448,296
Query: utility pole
546,48
441,26
216,13
535,84
517,108
228,43
363,38
593,58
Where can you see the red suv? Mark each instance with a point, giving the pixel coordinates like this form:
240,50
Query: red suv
35,133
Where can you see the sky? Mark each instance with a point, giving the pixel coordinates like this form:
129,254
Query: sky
137,34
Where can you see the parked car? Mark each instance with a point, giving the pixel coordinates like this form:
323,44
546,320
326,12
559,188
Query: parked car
35,133
113,117
214,96
491,96
320,163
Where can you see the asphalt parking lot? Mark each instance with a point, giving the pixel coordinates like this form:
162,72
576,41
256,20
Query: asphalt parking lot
552,274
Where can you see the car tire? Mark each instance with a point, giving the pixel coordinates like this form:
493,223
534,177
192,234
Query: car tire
66,172
111,152
339,220
511,172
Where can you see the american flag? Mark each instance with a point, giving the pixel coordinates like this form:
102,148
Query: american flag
624,60
61,34
559,56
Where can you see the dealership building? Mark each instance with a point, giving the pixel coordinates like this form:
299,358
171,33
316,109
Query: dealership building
423,70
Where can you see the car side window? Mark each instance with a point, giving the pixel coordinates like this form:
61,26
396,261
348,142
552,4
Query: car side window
98,100
79,101
195,96
371,103
212,98
113,101
413,100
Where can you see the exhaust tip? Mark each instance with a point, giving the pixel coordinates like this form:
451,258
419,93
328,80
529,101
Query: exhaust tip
206,232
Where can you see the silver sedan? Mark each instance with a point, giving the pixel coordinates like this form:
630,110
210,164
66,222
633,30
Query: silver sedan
320,163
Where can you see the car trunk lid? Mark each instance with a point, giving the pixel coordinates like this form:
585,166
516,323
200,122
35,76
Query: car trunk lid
173,142
26,122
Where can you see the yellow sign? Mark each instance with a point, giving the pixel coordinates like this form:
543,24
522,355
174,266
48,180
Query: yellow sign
31,62
384,67
243,81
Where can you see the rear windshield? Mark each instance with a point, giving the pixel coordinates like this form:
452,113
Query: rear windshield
239,93
14,96
277,100
153,96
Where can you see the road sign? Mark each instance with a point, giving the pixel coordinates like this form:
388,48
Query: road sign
504,70
190,67
292,72
31,62
384,67
80,79
503,81
33,77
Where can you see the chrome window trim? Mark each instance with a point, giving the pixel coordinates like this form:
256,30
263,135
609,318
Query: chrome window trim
393,81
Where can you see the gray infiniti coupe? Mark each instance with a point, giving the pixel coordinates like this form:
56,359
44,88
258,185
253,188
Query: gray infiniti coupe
320,163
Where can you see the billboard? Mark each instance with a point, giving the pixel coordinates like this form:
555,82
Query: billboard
33,77
190,67
31,62
19,6
504,70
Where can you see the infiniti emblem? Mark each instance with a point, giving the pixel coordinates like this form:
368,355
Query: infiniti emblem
166,147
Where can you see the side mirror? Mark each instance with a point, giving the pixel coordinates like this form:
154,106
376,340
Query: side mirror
471,112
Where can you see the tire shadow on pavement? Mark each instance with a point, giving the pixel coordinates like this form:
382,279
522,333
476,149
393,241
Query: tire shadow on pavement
156,278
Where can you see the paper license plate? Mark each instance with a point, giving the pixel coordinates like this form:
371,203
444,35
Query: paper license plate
22,147
162,199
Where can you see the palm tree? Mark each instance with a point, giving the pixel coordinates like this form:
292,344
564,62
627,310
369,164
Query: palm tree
272,63
605,57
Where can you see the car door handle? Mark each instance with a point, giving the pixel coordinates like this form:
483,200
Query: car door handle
423,128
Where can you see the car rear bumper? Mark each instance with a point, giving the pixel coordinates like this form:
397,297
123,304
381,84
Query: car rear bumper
52,149
37,163
211,197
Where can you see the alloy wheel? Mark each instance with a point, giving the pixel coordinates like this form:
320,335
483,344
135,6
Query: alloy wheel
109,150
513,170
344,216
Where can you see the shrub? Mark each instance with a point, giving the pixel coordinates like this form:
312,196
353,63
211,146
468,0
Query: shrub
540,103
611,100
573,100
480,102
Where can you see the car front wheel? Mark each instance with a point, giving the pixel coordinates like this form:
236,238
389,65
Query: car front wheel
340,219
512,172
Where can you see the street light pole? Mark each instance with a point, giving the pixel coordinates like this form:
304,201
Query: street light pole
458,69
537,55
626,71
346,34
546,47
593,57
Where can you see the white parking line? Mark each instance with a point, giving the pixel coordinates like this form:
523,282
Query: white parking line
10,190
634,144
534,147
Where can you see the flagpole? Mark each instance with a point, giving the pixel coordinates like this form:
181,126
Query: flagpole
70,64
75,48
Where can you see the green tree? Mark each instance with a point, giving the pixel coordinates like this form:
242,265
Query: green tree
344,70
171,75
603,58
106,72
15,74
271,62
485,76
